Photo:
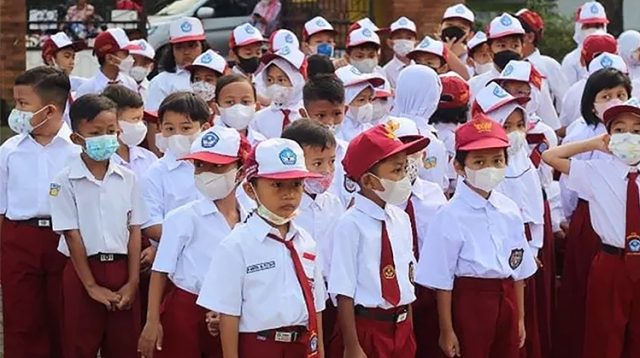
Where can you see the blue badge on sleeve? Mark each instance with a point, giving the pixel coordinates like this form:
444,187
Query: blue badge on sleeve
288,157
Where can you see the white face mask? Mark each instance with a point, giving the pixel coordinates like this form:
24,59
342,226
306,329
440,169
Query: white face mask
380,110
517,141
216,186
180,144
626,146
269,215
126,64
365,66
485,179
162,142
139,73
279,95
482,67
395,192
403,47
132,134
237,116
20,121
602,107
205,90
362,114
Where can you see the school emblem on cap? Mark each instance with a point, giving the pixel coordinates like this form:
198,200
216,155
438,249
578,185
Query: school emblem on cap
430,162
515,259
482,126
206,58
209,140
606,62
508,70
313,343
54,189
249,29
288,38
349,185
403,22
389,272
186,26
366,33
425,43
594,9
505,20
500,92
288,157
321,23
142,46
633,243
285,51
459,9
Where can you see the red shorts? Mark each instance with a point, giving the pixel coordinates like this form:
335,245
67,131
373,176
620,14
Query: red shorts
252,345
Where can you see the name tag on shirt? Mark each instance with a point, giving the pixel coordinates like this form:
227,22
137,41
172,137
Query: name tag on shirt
261,267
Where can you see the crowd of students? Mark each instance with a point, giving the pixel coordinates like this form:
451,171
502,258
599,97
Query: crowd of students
303,205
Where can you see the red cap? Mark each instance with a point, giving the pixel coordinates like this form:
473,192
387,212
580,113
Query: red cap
58,42
150,116
533,20
110,41
375,145
455,92
630,106
596,44
481,133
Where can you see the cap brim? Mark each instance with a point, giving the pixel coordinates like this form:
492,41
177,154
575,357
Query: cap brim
459,18
613,112
192,66
307,36
415,52
374,81
212,158
505,34
188,39
363,42
593,21
250,42
411,147
295,174
484,143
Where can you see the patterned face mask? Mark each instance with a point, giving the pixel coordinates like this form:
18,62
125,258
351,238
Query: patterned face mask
626,146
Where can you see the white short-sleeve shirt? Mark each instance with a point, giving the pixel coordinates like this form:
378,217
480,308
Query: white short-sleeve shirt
164,84
97,84
140,160
427,198
268,121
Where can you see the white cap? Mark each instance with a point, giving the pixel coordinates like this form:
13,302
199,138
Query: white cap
516,71
592,12
211,60
244,35
279,159
61,40
217,145
406,127
351,76
367,24
142,48
505,25
282,37
478,39
361,36
315,25
493,97
459,11
403,23
606,60
291,54
429,45
186,29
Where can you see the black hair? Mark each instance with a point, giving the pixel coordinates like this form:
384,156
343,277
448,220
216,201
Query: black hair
326,87
519,37
88,107
310,133
529,30
319,64
461,156
167,61
233,78
193,72
123,97
450,115
187,103
602,79
364,46
51,85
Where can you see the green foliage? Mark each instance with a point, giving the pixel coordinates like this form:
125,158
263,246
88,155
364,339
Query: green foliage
558,29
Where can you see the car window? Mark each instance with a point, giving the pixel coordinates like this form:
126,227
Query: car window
228,8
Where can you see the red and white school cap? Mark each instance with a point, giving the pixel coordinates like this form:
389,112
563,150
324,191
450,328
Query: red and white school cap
505,25
406,128
57,42
291,54
361,36
219,145
211,60
478,39
492,97
459,11
455,91
365,23
110,41
632,105
592,12
316,25
596,44
245,35
403,23
521,71
351,76
607,60
281,38
429,45
278,159
143,48
481,133
185,30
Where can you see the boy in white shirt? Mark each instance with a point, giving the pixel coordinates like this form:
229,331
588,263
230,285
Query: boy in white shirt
402,40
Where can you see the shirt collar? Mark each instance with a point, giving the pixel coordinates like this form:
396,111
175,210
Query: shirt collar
78,169
205,206
63,134
308,201
368,207
534,55
171,161
417,189
472,198
260,228
620,168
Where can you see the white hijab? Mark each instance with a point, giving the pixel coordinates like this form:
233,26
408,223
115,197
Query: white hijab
418,91
296,78
628,42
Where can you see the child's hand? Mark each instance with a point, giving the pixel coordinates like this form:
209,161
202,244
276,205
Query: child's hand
127,296
146,258
105,296
213,323
457,47
449,344
538,262
522,335
354,351
150,339
601,143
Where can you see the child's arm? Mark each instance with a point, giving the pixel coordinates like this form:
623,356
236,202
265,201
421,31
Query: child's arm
151,336
80,262
153,232
560,157
129,290
519,286
347,319
229,331
448,339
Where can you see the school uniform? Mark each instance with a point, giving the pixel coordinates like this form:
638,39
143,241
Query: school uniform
478,259
140,160
571,66
76,82
143,90
164,84
253,136
31,266
436,166
271,121
477,83
392,70
381,287
571,103
97,84
552,71
102,211
253,275
342,187
350,128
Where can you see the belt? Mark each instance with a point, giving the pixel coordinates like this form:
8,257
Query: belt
35,222
283,334
395,315
612,250
107,257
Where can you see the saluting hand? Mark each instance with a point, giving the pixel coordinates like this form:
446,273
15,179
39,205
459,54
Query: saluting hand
150,339
601,143
213,323
105,296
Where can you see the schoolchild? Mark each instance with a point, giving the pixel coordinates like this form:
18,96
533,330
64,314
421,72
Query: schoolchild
318,37
60,52
236,102
402,39
144,61
205,71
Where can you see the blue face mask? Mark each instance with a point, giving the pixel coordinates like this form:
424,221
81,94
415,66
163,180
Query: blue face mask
101,148
325,49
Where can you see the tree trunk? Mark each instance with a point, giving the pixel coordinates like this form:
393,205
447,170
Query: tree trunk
614,13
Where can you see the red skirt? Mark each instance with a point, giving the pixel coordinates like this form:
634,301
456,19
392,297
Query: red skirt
546,286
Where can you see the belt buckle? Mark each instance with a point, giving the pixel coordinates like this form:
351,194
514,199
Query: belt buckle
401,317
44,223
284,337
106,257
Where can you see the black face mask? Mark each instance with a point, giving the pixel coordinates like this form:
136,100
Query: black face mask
502,58
453,32
248,65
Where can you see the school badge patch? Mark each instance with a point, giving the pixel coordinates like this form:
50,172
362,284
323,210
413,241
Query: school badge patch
389,272
313,343
349,185
515,259
54,189
633,244
430,162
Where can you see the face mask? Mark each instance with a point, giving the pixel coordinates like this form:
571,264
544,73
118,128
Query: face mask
517,140
162,142
395,192
363,114
205,90
180,144
132,134
324,49
626,146
482,67
279,95
485,179
366,65
20,121
587,32
502,58
452,33
101,148
403,47
216,186
318,185
139,73
237,116
414,162
248,65
126,64
270,216
602,107
380,110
